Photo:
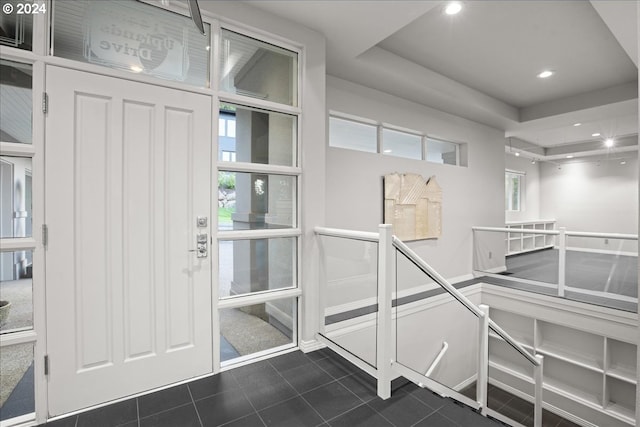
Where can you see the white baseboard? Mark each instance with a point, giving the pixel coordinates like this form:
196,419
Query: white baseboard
496,270
465,383
310,345
462,278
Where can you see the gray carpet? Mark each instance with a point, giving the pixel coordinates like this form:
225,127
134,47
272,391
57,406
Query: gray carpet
248,334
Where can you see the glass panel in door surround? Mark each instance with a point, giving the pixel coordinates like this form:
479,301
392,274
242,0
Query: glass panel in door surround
257,328
132,36
17,393
16,26
15,197
16,104
256,265
256,136
248,201
253,68
16,291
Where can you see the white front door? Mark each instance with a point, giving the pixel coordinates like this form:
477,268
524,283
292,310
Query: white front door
127,176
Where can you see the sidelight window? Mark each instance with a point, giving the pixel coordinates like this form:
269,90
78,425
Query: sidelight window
258,178
260,70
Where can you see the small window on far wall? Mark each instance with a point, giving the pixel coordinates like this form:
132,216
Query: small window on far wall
444,152
353,135
401,144
513,186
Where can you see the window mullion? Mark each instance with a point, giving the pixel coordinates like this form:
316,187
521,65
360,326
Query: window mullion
15,338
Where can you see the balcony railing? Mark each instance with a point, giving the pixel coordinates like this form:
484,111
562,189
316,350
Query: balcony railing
599,268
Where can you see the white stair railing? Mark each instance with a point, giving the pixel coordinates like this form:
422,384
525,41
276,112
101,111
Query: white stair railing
386,367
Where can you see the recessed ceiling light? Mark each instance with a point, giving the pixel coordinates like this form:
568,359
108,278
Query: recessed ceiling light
387,151
623,162
608,142
577,124
453,8
595,134
136,69
533,162
569,156
545,74
517,154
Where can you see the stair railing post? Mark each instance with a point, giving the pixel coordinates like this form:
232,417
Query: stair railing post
562,260
483,359
386,277
538,374
322,289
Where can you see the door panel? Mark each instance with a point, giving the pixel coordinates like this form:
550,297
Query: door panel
139,308
127,174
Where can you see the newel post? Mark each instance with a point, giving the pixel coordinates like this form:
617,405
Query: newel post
386,277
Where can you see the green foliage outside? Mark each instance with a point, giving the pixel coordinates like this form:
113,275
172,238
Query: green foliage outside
224,215
226,181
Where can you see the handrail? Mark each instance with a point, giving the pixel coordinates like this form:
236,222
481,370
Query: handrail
426,268
349,234
419,262
436,361
505,336
556,232
516,230
602,235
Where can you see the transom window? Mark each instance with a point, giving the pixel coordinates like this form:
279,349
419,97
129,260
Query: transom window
369,137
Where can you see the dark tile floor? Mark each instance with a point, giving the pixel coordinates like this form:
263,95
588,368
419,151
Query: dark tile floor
517,409
316,389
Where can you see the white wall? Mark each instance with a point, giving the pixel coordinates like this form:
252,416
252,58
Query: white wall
472,195
417,338
531,204
591,196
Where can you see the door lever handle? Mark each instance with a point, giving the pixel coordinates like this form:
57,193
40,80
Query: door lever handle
202,243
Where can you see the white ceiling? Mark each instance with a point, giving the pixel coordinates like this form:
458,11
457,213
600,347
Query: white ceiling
525,38
482,63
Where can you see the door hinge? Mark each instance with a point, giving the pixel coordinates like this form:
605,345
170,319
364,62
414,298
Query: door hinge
45,235
46,364
45,102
